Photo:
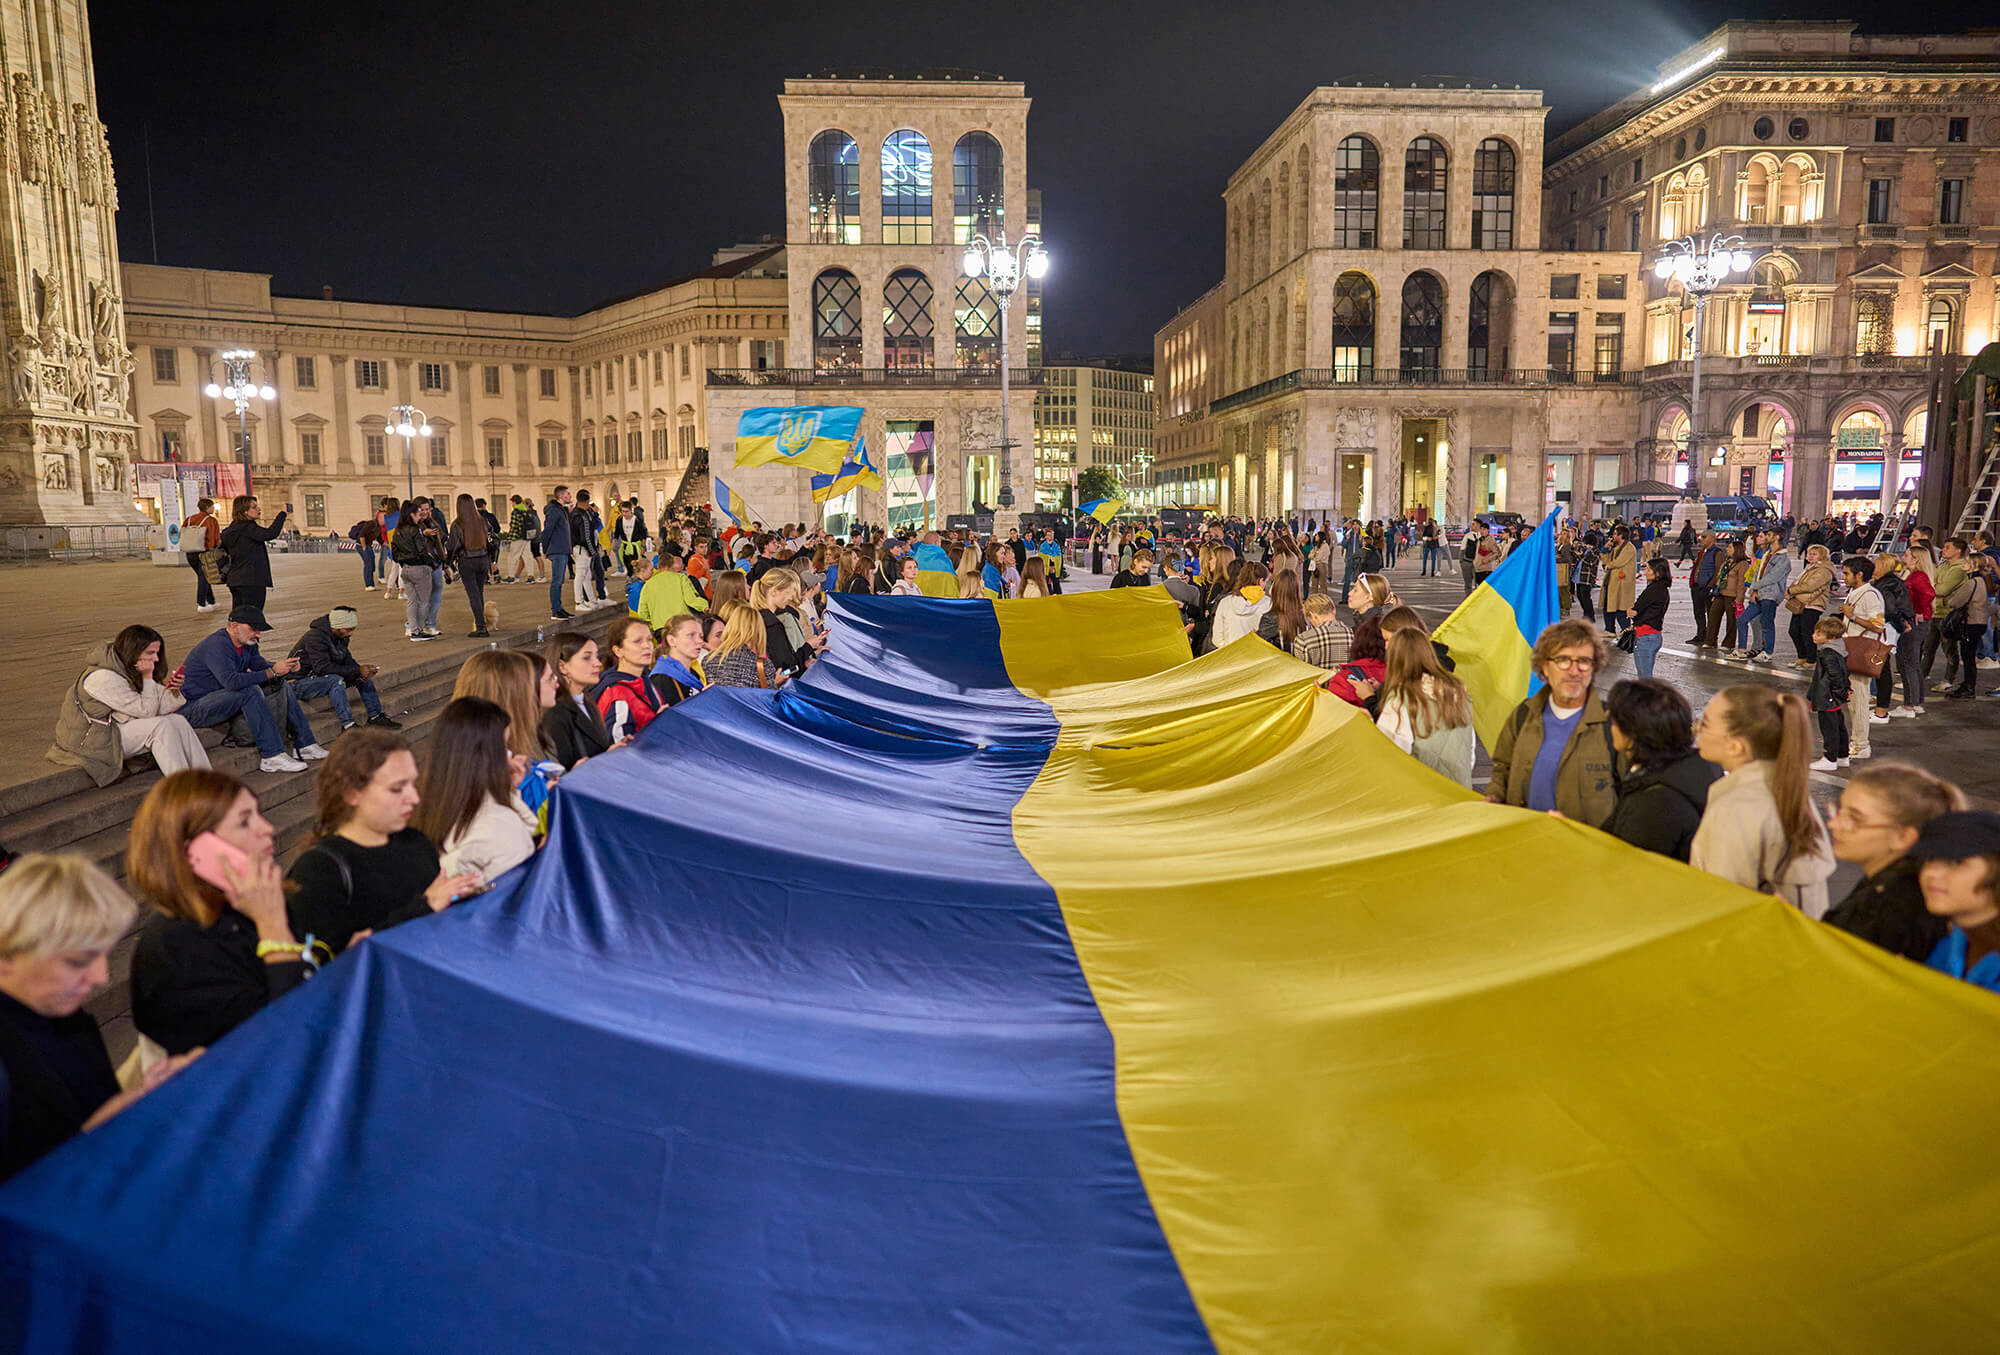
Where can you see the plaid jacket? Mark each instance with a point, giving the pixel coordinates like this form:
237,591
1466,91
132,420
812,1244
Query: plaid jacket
1324,645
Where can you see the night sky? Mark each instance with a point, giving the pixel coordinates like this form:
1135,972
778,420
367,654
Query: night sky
548,156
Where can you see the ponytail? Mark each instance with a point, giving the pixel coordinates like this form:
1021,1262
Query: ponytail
1789,779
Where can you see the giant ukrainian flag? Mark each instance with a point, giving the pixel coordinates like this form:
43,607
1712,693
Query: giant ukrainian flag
1049,1047
814,437
1492,633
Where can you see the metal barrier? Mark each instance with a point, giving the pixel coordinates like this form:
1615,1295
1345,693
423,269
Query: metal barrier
109,541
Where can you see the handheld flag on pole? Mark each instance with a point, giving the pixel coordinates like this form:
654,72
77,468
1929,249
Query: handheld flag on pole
730,504
855,470
1103,509
812,437
1492,634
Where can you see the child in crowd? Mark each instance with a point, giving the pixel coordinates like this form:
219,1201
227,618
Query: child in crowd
1828,694
642,570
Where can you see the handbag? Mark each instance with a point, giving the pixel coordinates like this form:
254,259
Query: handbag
214,566
1866,655
1628,639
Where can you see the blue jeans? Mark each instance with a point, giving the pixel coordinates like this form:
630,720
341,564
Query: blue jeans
1430,561
558,566
218,708
1645,652
1765,611
367,564
334,689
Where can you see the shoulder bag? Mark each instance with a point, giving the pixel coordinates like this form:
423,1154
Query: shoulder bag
1866,655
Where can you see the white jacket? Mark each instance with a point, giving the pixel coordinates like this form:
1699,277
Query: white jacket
499,838
1235,617
114,691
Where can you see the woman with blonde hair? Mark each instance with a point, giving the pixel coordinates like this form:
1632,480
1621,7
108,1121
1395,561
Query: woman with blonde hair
1760,828
792,644
1370,596
1423,709
218,945
739,657
524,686
1805,599
59,918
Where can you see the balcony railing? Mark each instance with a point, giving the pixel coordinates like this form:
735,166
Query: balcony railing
1718,364
1322,378
961,377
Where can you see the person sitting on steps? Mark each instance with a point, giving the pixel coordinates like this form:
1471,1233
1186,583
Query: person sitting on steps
224,678
327,668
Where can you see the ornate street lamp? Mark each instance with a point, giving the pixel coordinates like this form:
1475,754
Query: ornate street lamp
1004,269
410,423
1700,267
237,376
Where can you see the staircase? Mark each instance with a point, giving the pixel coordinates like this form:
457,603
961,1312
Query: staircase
1977,515
694,486
64,812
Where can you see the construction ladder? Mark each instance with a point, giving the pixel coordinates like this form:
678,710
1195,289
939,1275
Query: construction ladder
1902,513
1977,515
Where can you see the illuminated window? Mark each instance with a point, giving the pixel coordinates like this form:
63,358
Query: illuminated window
1872,326
907,323
1493,195
976,319
978,187
1423,325
1357,184
1941,325
833,189
906,189
836,321
1424,167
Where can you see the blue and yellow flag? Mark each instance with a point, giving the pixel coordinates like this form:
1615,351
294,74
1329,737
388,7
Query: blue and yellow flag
1012,1061
936,574
1103,509
811,437
990,579
855,470
730,504
1492,634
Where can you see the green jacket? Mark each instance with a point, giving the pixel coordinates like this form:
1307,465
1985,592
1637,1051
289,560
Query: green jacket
666,595
1586,779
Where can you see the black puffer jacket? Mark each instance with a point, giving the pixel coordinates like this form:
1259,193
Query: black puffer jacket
321,653
1659,808
1888,910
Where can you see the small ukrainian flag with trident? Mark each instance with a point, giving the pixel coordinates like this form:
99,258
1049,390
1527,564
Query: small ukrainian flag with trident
811,437
1103,509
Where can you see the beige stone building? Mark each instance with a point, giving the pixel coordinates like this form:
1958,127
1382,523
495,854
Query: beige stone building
610,401
1188,376
1094,414
882,313
67,436
1395,339
1863,173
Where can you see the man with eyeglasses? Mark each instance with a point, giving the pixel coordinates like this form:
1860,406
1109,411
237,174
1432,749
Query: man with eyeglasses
1554,752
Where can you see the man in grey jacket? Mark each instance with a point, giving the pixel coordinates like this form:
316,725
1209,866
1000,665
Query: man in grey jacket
1761,597
556,546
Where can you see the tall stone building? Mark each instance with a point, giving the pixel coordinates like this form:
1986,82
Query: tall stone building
1095,412
67,434
1188,375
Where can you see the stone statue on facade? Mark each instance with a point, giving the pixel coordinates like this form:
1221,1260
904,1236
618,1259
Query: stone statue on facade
28,121
87,175
108,188
55,471
26,355
82,380
108,475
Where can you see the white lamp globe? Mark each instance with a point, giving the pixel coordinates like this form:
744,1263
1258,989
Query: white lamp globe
425,431
404,430
1038,264
1663,268
212,391
974,264
266,393
1742,260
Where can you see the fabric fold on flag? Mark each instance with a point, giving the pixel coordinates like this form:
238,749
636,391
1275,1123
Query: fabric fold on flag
854,471
1103,509
730,504
1492,633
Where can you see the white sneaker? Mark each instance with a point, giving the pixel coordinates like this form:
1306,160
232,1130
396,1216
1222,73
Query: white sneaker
1875,719
1824,765
311,752
1843,762
1906,712
1857,755
281,763
1989,663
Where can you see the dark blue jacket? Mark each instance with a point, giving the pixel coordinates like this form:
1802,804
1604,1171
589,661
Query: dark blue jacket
555,531
1704,567
217,665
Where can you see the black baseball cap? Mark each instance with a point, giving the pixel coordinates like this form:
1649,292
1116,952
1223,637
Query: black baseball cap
1959,835
248,614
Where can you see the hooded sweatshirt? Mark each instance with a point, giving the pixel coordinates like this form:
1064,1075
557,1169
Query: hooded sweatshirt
1235,617
625,701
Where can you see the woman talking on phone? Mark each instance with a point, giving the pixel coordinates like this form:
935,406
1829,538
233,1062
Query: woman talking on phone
368,868
218,945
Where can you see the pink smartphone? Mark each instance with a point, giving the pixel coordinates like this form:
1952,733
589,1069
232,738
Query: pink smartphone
208,854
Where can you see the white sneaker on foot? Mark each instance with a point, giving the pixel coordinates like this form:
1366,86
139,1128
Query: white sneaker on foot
1989,663
1905,713
1875,719
311,752
1824,765
1843,762
281,763
1858,755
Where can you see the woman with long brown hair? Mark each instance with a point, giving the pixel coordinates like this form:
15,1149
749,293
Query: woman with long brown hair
468,803
1760,828
1424,709
468,549
523,685
218,944
124,704
729,585
369,867
572,727
1287,617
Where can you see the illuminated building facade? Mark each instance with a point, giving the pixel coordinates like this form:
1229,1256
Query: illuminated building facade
1095,414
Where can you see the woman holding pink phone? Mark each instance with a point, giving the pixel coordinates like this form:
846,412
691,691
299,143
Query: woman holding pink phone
217,946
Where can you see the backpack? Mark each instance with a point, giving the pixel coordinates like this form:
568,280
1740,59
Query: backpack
1896,607
362,530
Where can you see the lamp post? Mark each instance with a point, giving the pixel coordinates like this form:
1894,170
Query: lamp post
1004,269
409,423
241,380
1700,267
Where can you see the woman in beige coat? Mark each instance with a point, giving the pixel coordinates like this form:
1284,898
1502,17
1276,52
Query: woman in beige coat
1805,599
1621,570
1760,828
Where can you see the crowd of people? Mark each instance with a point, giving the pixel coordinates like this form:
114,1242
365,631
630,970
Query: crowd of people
397,836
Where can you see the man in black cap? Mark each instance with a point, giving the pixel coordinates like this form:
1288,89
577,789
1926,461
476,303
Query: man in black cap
225,678
1961,882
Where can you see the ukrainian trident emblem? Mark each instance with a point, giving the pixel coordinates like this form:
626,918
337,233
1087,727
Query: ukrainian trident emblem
796,432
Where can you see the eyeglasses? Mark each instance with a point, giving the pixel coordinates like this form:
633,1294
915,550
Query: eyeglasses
1572,661
1842,812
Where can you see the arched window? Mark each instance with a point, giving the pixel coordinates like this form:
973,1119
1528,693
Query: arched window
1697,199
1353,328
976,317
1941,324
1423,326
1670,207
1758,180
1263,231
1804,172
1357,188
1281,335
906,189
833,189
978,187
1493,195
907,325
1424,194
1873,335
1764,323
836,321
1489,321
